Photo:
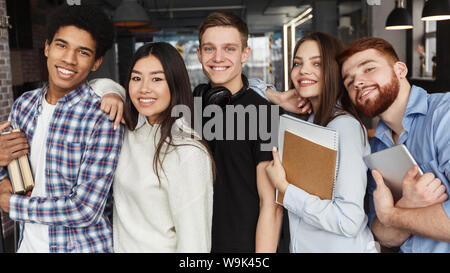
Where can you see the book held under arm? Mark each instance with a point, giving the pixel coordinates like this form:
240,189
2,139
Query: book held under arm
20,173
308,153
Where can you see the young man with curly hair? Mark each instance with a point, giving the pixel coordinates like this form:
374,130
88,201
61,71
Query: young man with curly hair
73,147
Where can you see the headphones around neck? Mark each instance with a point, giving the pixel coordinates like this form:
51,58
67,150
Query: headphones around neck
218,95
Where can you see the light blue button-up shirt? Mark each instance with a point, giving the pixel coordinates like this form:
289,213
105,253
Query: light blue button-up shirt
260,87
425,132
340,224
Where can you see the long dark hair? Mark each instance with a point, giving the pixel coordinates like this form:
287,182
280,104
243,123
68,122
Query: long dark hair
333,93
180,94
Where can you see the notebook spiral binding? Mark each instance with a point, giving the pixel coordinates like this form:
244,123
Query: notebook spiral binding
336,171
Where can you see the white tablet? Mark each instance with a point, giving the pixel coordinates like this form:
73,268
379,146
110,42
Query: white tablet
393,163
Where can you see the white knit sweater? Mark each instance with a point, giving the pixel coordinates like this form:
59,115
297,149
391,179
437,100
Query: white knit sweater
172,216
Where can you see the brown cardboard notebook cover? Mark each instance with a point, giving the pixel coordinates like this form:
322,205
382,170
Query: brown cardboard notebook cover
309,166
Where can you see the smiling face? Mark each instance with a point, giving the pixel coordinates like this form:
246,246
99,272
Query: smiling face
221,55
70,59
306,73
148,88
371,82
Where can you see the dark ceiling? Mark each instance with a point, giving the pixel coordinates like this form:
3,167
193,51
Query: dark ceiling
185,15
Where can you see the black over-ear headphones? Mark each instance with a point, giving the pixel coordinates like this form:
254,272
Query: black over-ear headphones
218,95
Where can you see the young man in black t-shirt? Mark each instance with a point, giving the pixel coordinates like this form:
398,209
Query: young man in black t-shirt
245,216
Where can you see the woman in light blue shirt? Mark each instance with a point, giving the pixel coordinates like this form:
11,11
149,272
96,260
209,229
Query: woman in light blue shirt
339,224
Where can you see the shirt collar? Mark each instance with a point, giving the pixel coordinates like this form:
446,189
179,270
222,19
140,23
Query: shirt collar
75,95
72,97
381,130
41,97
417,104
184,130
142,120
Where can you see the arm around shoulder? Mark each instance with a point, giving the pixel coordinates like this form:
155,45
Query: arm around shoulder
103,86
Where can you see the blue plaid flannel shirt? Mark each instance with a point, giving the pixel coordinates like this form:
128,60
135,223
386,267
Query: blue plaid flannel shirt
82,154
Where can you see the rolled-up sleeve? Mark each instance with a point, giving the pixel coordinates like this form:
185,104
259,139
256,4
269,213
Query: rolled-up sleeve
84,205
103,86
11,118
260,87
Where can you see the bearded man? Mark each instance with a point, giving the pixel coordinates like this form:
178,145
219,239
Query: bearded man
376,83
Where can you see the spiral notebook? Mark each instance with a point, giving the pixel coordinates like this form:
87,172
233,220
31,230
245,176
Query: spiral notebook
309,155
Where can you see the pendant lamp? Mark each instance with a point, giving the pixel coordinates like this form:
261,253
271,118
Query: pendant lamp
130,14
399,18
436,10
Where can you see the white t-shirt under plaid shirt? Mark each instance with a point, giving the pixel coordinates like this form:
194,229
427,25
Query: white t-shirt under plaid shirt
81,157
35,236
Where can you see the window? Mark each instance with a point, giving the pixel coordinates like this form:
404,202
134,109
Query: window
430,49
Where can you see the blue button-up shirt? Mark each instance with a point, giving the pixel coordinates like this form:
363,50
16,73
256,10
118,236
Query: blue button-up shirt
425,132
82,154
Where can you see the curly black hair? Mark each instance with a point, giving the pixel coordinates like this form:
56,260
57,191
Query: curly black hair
88,18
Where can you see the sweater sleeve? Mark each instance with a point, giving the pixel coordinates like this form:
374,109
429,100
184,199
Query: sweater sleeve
103,86
83,206
344,214
190,198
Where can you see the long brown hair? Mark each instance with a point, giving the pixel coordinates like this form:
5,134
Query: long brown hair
333,103
180,94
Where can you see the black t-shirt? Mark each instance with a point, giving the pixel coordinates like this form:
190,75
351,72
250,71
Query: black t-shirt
236,200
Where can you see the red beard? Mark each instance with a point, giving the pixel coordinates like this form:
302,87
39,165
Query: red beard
387,95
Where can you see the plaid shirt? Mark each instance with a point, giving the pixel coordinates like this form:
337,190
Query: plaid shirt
82,153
